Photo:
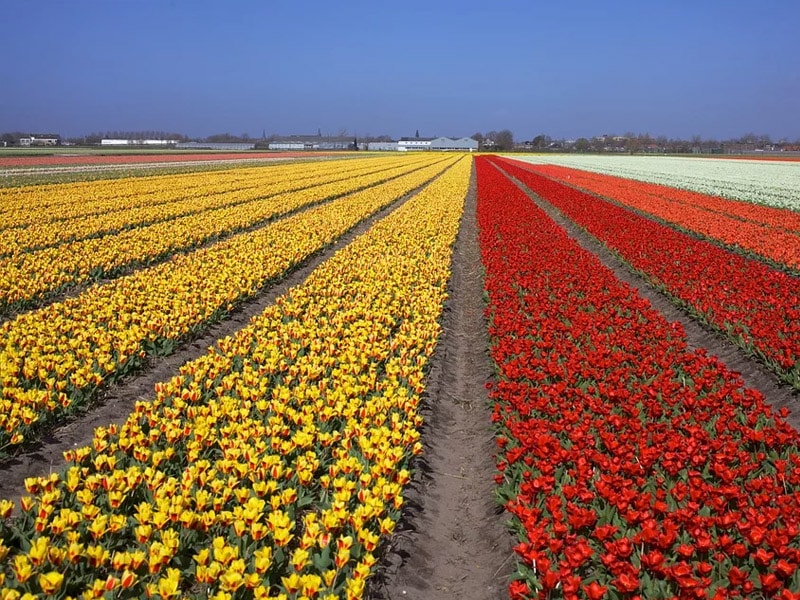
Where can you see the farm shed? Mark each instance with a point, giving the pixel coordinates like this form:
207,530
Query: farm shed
446,143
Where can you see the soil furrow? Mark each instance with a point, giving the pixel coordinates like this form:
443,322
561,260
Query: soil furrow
452,541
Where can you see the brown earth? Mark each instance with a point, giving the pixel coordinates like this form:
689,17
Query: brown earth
451,541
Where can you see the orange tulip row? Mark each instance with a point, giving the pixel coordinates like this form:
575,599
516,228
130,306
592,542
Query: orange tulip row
768,231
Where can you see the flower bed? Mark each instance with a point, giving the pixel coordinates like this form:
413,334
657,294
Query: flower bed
753,303
633,467
770,232
31,275
49,215
53,359
772,183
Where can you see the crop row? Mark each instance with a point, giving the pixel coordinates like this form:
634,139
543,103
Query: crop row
751,302
274,465
54,358
770,232
176,201
22,206
34,275
763,182
634,467
62,201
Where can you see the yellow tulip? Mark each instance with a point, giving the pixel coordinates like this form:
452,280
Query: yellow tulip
22,568
310,584
292,583
168,586
127,579
230,581
354,589
300,559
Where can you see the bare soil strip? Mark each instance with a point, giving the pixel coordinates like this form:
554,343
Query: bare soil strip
117,401
452,541
754,374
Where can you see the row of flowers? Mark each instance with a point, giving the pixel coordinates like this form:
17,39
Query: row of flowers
32,275
773,233
752,302
771,183
55,201
53,359
178,196
24,206
274,465
633,466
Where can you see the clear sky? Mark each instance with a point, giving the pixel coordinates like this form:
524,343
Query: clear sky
715,68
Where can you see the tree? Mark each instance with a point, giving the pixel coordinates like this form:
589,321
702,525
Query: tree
478,137
748,138
541,141
504,140
582,145
12,138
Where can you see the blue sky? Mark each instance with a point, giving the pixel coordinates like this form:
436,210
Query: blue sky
677,68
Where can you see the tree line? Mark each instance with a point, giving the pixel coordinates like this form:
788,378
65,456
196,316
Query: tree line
644,142
501,141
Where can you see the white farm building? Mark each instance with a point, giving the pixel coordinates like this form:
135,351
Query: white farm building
407,144
129,142
463,144
41,139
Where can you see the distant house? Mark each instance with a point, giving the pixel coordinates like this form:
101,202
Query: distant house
41,139
382,146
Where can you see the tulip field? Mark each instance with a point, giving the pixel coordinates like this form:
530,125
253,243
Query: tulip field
742,294
276,462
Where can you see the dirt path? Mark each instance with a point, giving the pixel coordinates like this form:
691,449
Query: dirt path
754,374
453,542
